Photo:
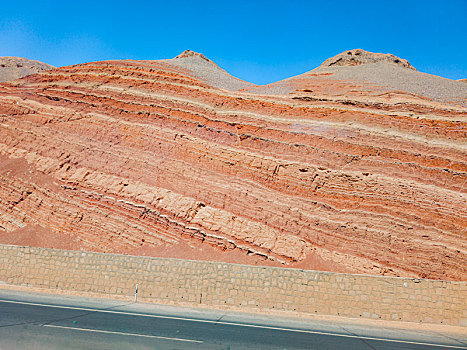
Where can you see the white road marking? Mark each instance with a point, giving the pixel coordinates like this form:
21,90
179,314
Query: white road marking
122,333
232,324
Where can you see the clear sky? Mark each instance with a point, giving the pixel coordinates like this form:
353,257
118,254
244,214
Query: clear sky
259,41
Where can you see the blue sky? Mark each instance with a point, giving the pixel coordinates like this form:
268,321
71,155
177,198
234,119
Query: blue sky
259,41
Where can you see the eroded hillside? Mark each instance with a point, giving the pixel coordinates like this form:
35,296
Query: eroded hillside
150,157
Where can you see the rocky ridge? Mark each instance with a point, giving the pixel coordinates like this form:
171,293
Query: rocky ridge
152,158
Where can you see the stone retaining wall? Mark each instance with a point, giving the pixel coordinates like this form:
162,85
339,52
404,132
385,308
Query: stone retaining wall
214,284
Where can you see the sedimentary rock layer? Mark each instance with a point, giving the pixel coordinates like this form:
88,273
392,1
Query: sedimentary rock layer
149,157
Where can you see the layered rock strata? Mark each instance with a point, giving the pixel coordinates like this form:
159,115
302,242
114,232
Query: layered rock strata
149,157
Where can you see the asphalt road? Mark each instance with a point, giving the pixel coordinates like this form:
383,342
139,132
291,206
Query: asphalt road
44,321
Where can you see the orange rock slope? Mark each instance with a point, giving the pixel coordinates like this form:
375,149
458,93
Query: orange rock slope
177,158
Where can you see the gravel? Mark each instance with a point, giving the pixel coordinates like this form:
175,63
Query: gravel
402,79
381,74
207,71
380,70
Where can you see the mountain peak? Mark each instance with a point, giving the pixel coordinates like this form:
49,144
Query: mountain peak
191,54
12,68
207,70
358,57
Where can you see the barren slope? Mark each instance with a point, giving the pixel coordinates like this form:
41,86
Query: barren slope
148,158
362,74
197,65
12,68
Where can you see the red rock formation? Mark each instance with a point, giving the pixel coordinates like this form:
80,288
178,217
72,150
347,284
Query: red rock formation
149,157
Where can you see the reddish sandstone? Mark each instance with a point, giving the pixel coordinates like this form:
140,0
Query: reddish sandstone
179,159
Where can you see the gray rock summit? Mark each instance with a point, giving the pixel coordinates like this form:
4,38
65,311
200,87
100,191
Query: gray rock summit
12,68
206,70
191,55
358,57
372,71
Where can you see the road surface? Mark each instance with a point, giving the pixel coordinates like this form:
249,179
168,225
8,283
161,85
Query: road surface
45,321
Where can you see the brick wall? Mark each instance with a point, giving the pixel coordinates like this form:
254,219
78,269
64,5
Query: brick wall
214,284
